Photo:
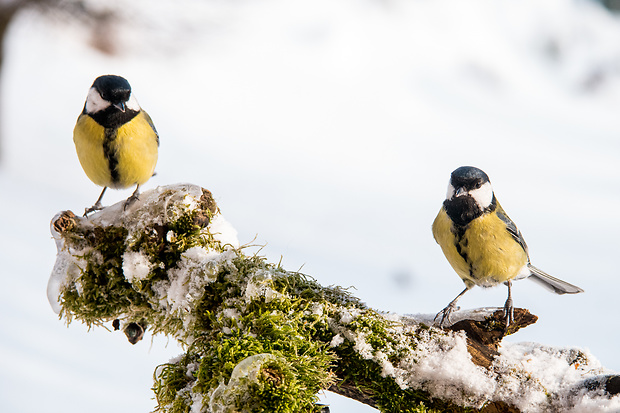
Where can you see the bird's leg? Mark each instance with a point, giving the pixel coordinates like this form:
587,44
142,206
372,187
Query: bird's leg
97,205
446,312
133,198
509,311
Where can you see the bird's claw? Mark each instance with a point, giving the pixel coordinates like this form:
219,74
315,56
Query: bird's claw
96,207
133,198
445,314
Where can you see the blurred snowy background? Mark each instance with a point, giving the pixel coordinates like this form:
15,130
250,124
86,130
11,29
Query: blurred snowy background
327,130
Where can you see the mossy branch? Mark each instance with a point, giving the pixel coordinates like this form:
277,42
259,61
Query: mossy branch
259,338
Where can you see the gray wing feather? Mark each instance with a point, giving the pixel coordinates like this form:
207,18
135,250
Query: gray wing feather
512,229
554,284
150,122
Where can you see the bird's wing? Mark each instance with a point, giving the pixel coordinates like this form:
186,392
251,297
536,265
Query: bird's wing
512,229
150,122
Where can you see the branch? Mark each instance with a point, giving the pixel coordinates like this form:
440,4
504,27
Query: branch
260,338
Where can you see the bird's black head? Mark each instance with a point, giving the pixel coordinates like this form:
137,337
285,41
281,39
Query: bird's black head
469,195
468,178
114,89
110,101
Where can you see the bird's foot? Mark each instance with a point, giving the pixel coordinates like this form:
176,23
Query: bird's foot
96,207
445,314
509,314
133,198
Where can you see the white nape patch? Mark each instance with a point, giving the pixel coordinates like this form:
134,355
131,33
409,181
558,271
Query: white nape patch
451,191
94,102
483,195
132,103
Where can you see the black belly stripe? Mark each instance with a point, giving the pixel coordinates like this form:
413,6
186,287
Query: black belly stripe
459,233
110,154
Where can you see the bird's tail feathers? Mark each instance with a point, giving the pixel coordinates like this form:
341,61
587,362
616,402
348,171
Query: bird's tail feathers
554,284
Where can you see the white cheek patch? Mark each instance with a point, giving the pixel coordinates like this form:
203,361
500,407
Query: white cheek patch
451,191
132,103
94,101
483,195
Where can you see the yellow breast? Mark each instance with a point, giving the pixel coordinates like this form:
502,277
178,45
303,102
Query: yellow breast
88,137
485,254
133,147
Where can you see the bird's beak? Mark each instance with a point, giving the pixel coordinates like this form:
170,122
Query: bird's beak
460,192
120,106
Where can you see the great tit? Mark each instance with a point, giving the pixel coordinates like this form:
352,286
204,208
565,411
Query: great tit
115,140
482,243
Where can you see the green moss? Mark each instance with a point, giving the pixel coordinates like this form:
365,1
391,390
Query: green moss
284,327
285,315
165,243
289,328
169,382
281,328
101,293
306,287
280,388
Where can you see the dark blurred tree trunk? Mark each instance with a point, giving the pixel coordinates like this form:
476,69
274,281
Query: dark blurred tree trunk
6,15
7,12
100,21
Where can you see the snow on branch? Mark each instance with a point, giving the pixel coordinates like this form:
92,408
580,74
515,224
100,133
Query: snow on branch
260,338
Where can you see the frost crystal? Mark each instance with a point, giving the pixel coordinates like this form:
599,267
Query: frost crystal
224,397
260,287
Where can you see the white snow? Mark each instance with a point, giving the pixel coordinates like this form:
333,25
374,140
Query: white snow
136,266
348,315
223,231
231,313
553,370
336,340
66,270
451,373
197,268
531,376
325,130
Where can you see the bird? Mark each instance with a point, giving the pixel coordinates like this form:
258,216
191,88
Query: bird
115,140
482,244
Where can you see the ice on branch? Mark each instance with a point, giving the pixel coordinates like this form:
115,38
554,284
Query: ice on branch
260,338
